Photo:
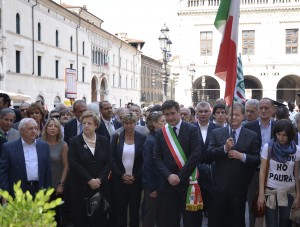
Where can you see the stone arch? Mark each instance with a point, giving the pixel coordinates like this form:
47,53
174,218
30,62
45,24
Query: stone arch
287,88
103,89
253,87
209,92
57,100
40,99
94,86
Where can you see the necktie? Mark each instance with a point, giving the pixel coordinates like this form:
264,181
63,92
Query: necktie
5,135
233,134
174,129
109,128
80,129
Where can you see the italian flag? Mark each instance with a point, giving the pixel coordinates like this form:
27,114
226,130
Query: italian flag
227,22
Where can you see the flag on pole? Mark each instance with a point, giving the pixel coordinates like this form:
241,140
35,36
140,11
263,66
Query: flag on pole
227,22
239,94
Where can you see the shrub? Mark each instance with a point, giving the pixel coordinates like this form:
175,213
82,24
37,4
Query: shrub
25,211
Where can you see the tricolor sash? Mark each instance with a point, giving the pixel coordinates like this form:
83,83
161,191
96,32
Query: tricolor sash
193,197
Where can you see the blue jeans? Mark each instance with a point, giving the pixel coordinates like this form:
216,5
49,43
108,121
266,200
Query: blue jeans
279,217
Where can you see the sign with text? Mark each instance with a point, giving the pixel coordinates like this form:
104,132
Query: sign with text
70,84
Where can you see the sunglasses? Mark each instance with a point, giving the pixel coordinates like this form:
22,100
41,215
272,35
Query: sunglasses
55,116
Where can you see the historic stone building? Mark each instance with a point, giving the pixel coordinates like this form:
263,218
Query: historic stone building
39,40
268,43
152,89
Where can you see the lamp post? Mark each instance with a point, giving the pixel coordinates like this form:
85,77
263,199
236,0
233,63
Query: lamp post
203,86
153,85
165,46
173,84
192,71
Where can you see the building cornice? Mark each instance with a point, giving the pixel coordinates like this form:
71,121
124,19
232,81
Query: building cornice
192,11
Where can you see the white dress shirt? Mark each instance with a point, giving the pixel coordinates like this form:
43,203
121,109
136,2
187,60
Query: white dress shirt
31,161
204,130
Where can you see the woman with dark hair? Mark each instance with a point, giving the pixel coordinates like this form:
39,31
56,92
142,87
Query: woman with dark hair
36,111
280,161
127,162
89,165
151,214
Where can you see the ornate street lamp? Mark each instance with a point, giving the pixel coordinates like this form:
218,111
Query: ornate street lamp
165,46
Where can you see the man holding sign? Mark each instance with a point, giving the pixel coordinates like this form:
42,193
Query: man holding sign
177,151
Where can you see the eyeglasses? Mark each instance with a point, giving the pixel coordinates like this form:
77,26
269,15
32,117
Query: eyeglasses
23,110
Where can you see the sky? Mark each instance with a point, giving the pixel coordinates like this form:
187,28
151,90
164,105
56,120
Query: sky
140,19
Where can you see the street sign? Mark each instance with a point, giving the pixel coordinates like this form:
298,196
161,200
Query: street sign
70,84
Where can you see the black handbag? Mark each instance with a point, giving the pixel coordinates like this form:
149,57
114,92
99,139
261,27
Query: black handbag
96,203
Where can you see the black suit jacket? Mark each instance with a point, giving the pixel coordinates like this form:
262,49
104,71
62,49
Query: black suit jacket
254,126
2,141
70,130
102,130
117,145
142,123
296,138
232,175
211,126
189,139
13,167
83,165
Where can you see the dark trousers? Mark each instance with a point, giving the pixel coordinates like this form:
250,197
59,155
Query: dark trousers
204,180
252,188
127,196
152,210
173,208
227,210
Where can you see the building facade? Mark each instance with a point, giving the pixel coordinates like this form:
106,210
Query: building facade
152,89
268,44
39,40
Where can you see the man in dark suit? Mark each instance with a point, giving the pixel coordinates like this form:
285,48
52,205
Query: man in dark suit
263,126
7,118
137,110
174,182
107,125
236,159
203,111
25,159
74,127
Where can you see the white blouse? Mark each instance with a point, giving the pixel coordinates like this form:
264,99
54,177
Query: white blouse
128,158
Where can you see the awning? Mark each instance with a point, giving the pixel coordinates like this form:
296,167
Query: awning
16,96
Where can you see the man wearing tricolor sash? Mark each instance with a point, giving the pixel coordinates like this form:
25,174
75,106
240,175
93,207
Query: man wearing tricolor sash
177,151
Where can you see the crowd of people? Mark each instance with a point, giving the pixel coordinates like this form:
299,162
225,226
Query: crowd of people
165,165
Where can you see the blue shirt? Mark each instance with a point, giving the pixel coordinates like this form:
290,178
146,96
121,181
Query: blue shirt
265,134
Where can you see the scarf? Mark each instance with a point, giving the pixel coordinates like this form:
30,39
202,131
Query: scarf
280,152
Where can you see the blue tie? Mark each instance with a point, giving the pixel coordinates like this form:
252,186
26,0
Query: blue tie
233,134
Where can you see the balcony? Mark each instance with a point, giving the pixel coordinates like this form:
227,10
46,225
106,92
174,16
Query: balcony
214,4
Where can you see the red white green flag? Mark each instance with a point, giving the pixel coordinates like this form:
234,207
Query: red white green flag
227,22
